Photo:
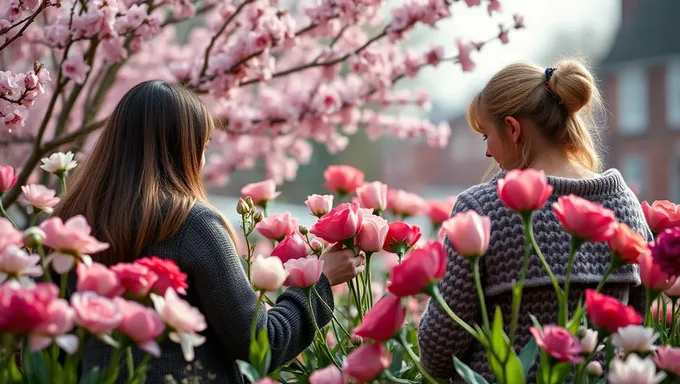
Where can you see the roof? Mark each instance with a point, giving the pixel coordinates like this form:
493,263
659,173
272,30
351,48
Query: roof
652,33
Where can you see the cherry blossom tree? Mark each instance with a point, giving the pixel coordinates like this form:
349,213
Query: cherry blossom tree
279,75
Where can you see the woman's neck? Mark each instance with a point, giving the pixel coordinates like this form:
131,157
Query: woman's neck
558,164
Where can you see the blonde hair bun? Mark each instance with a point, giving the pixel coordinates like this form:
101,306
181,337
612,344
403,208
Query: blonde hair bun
573,83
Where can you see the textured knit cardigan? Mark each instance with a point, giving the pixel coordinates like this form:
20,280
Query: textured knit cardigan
219,289
440,338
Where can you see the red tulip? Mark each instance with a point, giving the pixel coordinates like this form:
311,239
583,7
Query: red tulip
608,313
584,218
662,214
422,268
383,320
627,244
469,233
401,237
439,211
340,224
343,179
366,362
524,190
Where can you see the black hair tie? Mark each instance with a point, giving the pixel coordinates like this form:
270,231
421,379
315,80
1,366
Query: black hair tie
548,73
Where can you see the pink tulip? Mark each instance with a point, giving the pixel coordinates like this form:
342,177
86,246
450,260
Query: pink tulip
59,321
7,178
22,309
584,218
97,314
524,190
99,279
185,320
674,290
68,239
627,244
40,197
366,362
383,320
422,268
405,204
136,279
439,211
292,247
329,375
401,237
9,235
261,192
267,273
668,359
15,263
662,214
469,233
343,179
303,273
319,205
373,232
373,195
657,310
558,343
651,274
266,380
276,227
340,224
141,324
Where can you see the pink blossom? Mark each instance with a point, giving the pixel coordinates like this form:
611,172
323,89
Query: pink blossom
558,343
75,68
494,6
276,227
464,50
99,279
59,321
141,324
19,265
472,3
69,241
40,197
97,314
9,235
185,320
7,178
405,203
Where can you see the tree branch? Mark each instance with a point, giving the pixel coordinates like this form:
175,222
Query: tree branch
28,20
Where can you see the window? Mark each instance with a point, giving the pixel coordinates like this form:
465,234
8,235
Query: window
633,100
673,94
634,172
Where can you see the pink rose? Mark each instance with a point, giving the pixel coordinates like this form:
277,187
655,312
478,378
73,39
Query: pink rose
40,197
373,195
9,235
366,362
469,233
7,178
141,324
340,224
304,272
97,314
99,279
373,232
662,214
22,309
292,247
59,321
524,190
405,204
15,263
651,274
267,273
185,320
276,227
558,343
136,279
343,179
261,192
69,238
319,205
329,375
668,359
584,218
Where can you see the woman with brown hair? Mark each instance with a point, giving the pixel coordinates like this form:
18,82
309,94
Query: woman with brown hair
141,191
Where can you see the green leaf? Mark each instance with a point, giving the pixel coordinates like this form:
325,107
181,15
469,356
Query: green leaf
91,377
248,371
35,371
470,376
578,316
560,372
265,356
511,372
528,355
397,360
534,320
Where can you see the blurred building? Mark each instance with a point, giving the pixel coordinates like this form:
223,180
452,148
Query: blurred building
641,85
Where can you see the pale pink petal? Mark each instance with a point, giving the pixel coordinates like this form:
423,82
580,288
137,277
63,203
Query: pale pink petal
151,347
68,343
61,263
38,342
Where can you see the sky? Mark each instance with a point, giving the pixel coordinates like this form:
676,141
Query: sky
554,28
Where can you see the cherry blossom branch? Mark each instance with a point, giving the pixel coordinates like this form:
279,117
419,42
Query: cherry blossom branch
28,20
173,20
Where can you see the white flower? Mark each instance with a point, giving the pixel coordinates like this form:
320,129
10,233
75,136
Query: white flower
267,273
59,162
589,341
634,338
185,320
634,371
19,265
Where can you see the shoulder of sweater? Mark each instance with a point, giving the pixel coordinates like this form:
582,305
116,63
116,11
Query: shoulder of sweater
477,196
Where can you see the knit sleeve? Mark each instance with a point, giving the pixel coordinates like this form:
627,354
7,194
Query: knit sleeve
228,302
439,338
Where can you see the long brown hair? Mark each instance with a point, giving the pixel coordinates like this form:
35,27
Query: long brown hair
143,176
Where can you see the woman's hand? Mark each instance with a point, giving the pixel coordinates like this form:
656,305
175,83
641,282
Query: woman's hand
341,265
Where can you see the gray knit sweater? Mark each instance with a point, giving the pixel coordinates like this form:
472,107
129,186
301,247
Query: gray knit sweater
439,338
219,289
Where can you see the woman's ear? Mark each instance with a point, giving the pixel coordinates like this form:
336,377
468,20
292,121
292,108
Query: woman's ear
512,128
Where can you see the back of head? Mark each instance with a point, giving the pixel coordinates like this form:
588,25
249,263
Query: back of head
144,174
563,103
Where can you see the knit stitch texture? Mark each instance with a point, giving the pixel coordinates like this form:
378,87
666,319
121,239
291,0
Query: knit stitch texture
219,289
440,338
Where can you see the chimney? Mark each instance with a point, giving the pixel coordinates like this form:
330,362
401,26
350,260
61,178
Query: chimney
628,8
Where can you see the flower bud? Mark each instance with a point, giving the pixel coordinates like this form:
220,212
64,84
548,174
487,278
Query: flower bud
303,230
594,368
581,332
242,207
258,216
249,201
316,245
33,237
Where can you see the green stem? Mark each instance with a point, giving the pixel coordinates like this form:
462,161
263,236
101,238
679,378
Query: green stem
649,320
253,327
245,234
138,377
672,332
369,286
324,345
534,243
5,214
62,177
63,284
415,359
388,375
517,294
130,363
34,217
46,272
480,292
318,295
575,244
433,291
612,267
